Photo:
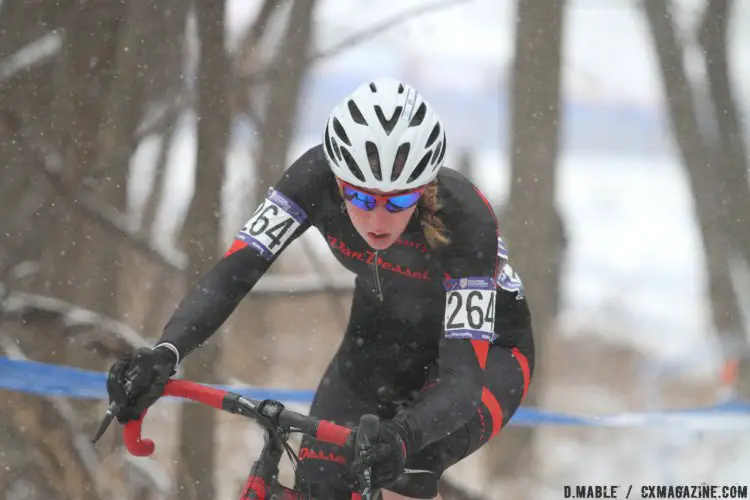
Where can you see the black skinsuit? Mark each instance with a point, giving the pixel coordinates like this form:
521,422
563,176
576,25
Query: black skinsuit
438,339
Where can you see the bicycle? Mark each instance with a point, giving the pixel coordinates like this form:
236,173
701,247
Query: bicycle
279,423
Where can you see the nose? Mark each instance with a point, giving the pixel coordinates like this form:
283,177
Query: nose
379,218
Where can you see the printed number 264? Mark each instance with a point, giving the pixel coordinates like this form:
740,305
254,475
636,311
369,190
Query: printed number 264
262,219
471,310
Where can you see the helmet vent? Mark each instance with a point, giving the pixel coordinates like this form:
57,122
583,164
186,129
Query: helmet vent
327,143
374,158
442,151
336,149
433,135
339,129
419,116
402,154
436,152
356,113
420,167
388,125
353,168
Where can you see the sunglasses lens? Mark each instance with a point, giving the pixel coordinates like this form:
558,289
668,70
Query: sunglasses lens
361,200
402,202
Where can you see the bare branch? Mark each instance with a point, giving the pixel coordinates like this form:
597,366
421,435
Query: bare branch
120,225
110,218
25,307
154,199
164,113
245,59
249,44
38,52
18,248
272,70
158,121
113,220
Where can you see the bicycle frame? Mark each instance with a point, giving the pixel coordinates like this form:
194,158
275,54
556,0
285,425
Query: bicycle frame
262,483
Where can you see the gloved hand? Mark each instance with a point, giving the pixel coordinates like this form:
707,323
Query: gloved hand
136,382
386,457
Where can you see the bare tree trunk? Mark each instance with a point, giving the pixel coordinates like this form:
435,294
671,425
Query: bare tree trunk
201,240
249,59
704,176
530,222
730,155
466,164
278,117
730,152
24,97
122,110
156,282
146,296
57,123
276,135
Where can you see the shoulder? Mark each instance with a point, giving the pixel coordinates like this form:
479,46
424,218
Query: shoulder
310,167
465,209
471,225
308,180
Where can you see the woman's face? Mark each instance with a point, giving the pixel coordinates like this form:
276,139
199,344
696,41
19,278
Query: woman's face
379,227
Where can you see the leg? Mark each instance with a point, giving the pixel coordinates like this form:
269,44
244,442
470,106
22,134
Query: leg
324,467
508,374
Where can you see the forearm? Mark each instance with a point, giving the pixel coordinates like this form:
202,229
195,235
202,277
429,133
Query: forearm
212,300
443,408
448,404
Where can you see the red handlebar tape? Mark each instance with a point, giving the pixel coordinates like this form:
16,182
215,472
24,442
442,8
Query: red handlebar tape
210,396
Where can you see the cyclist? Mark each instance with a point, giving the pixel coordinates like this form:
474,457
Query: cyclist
439,341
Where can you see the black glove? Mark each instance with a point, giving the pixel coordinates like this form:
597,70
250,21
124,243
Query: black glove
386,457
136,382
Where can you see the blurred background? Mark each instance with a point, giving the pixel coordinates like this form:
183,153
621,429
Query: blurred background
136,138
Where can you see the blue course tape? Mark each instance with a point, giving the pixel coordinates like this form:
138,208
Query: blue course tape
54,380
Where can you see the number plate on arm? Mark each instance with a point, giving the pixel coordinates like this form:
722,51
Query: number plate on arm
470,308
272,224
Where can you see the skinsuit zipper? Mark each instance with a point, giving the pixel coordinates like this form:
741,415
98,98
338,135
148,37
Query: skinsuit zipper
377,277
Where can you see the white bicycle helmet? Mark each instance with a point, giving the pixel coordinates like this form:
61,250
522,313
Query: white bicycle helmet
384,136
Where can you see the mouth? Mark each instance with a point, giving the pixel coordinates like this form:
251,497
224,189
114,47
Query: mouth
377,236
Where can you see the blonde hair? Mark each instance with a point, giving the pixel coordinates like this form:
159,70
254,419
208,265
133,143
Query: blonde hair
432,226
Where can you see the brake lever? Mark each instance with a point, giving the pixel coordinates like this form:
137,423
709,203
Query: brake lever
114,408
366,435
106,421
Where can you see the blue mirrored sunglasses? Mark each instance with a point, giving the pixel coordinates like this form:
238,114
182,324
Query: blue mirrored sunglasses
394,203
